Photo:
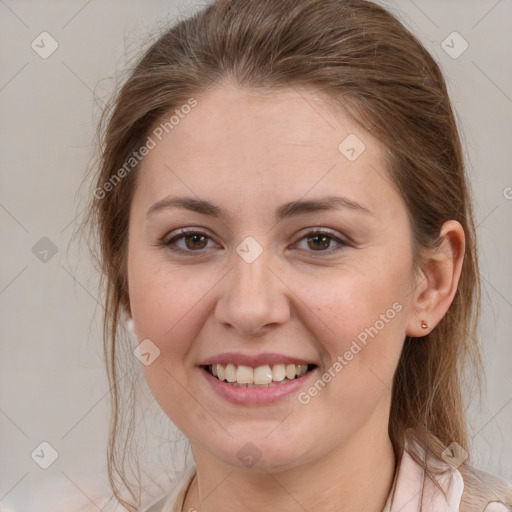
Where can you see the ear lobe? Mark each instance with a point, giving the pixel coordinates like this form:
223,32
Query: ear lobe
438,281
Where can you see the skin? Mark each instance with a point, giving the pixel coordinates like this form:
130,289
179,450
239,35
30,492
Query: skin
249,153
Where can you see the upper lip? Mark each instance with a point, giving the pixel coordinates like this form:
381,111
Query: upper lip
256,360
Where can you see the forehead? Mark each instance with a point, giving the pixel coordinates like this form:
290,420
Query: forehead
246,143
234,121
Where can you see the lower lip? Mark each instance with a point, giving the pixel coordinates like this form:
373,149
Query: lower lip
256,396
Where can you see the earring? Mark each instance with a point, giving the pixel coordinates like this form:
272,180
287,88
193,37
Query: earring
131,331
424,324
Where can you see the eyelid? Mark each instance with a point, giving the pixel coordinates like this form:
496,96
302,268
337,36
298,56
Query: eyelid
325,231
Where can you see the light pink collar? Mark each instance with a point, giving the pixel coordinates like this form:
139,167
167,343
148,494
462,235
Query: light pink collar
407,495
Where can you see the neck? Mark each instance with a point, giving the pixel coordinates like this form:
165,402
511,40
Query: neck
343,476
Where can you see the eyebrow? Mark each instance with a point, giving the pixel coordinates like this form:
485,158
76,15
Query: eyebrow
287,210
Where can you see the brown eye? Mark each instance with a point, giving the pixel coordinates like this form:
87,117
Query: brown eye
188,242
196,241
319,242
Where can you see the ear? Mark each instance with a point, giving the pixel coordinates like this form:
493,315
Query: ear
437,282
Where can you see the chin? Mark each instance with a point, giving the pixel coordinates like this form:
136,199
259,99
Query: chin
258,454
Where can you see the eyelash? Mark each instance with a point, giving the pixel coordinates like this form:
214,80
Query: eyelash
187,232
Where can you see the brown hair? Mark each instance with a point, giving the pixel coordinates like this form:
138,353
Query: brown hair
363,58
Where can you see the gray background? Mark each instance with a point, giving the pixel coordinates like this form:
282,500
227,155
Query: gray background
52,383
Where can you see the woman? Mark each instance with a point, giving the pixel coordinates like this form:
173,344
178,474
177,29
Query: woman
284,219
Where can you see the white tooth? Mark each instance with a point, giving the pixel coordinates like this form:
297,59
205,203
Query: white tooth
244,375
301,369
278,372
262,375
290,371
221,372
214,369
231,373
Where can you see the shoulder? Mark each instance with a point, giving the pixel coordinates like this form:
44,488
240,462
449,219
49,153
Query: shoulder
448,488
484,492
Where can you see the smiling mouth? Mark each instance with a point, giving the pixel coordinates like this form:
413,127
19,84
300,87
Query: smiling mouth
261,376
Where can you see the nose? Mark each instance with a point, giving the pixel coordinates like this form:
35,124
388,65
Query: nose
254,297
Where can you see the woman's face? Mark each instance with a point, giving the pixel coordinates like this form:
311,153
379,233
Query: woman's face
273,274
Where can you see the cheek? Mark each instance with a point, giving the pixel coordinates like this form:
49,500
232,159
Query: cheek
170,305
364,319
164,306
359,318
349,302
